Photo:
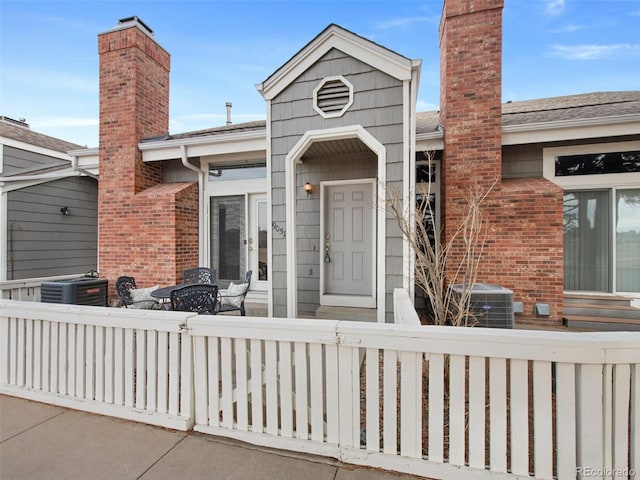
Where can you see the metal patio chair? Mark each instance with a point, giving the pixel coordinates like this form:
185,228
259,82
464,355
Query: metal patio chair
199,275
201,298
125,285
232,299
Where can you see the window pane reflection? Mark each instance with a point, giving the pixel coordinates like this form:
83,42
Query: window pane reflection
587,236
628,240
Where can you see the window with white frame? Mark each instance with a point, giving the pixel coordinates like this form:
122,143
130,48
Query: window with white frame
601,201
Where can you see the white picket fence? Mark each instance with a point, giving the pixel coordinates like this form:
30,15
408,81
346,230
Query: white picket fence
440,402
28,289
123,363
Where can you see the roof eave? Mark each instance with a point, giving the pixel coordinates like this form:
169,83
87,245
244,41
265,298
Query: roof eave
22,145
255,140
572,129
335,36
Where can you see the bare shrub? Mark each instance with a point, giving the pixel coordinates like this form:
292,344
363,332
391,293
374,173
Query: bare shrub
439,264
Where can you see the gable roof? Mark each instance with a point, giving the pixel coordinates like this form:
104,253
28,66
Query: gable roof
233,128
25,135
335,36
583,106
599,108
586,106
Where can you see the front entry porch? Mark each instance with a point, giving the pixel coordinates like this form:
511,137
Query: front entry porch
335,237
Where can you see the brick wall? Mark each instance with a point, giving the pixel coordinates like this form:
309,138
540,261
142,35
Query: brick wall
523,249
145,229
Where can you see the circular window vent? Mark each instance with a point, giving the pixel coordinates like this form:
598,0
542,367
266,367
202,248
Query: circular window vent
332,97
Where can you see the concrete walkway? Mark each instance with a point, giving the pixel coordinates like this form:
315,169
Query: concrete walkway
40,441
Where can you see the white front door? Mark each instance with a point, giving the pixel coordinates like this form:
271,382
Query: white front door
257,240
348,243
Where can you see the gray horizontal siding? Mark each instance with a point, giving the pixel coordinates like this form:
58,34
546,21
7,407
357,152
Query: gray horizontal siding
43,242
15,160
521,161
525,161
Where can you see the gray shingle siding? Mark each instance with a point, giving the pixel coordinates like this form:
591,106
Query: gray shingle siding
378,108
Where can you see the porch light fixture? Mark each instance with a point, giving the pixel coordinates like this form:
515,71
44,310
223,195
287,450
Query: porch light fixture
308,188
65,211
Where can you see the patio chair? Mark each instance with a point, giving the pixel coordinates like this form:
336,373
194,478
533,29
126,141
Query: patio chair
133,297
201,298
232,299
199,275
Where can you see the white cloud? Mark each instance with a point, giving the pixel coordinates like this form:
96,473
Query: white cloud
63,122
405,21
569,28
595,52
52,79
554,7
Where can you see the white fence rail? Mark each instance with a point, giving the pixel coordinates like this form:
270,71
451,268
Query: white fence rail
444,402
28,290
128,364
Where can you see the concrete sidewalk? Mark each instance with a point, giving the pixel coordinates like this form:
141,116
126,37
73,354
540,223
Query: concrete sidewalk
40,441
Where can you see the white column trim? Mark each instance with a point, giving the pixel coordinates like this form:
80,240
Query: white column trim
292,158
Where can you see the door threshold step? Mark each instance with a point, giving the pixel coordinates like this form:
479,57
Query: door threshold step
356,314
601,323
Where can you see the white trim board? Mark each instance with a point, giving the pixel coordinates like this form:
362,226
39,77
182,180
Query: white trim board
362,301
293,158
353,45
589,181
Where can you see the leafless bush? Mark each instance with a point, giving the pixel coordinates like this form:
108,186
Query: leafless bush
439,264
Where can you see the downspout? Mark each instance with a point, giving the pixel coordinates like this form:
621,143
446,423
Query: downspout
185,161
74,165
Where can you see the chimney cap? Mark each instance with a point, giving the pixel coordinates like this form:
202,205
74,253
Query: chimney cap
136,20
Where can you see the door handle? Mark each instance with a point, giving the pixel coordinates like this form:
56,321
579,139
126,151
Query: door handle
327,258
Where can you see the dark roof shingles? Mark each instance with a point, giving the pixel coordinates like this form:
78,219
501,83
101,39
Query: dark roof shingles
582,106
25,135
570,107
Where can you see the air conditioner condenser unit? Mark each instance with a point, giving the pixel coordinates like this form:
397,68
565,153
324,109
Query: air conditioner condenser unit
77,291
490,305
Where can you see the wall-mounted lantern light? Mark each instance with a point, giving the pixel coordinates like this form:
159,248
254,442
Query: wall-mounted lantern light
65,211
308,188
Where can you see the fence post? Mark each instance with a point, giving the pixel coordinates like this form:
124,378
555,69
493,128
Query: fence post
589,426
348,397
187,379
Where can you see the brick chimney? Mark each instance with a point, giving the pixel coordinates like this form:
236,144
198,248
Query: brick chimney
141,220
523,248
470,105
471,90
134,104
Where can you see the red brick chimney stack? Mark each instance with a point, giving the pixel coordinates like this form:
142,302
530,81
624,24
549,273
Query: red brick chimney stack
523,217
470,105
471,90
146,228
134,104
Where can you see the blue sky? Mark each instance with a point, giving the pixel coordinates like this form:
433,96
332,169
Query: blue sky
221,49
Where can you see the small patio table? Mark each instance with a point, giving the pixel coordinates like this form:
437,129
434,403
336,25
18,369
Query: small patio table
164,293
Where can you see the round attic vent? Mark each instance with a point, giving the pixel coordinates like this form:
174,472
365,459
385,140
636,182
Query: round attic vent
332,97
